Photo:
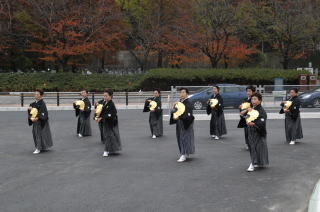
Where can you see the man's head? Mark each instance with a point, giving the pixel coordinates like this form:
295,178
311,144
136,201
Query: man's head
38,94
256,99
156,92
108,94
216,89
184,92
250,90
84,93
293,92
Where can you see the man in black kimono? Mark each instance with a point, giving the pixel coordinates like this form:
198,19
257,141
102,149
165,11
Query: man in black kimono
102,102
257,135
293,127
155,117
41,129
109,120
184,127
84,126
242,123
217,122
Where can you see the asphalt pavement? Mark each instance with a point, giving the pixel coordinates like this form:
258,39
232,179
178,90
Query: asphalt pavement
74,176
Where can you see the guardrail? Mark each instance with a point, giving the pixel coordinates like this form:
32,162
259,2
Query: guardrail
272,95
57,98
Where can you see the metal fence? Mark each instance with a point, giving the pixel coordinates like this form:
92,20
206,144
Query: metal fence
272,96
125,99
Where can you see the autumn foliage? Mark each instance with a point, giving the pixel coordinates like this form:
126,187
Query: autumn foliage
70,35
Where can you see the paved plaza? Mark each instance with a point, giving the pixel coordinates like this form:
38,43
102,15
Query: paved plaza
145,177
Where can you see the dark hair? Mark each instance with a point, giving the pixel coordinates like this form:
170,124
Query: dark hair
40,91
251,87
217,87
109,91
185,89
295,90
158,90
85,90
258,95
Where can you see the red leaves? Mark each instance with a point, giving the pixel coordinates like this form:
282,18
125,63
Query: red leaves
237,52
80,30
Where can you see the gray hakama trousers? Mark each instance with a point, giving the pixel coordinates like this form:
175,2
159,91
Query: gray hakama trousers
111,138
246,135
293,128
258,148
100,124
185,138
84,125
156,124
217,124
41,135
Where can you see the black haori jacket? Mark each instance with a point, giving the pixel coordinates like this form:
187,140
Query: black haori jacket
187,117
109,114
87,108
260,122
158,109
42,112
218,107
99,102
294,109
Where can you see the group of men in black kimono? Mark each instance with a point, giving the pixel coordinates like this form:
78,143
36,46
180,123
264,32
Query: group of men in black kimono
107,121
254,130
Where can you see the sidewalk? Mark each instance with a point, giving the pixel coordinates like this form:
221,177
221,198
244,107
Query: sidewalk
199,115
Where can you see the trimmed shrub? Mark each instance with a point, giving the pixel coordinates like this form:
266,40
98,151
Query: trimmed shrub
164,78
155,78
66,82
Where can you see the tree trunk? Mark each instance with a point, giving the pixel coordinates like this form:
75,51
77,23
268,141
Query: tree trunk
74,68
160,59
140,62
225,58
214,62
102,61
285,62
64,63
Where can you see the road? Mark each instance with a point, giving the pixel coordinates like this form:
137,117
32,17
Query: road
74,176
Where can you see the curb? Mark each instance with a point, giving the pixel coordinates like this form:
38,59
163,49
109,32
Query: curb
314,202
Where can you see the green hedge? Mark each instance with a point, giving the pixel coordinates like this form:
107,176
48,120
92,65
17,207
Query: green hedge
159,78
164,78
66,82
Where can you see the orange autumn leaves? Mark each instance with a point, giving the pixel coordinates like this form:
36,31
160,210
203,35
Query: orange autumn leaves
163,33
79,33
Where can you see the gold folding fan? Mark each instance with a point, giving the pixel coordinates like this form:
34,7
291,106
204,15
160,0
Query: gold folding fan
180,108
33,113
